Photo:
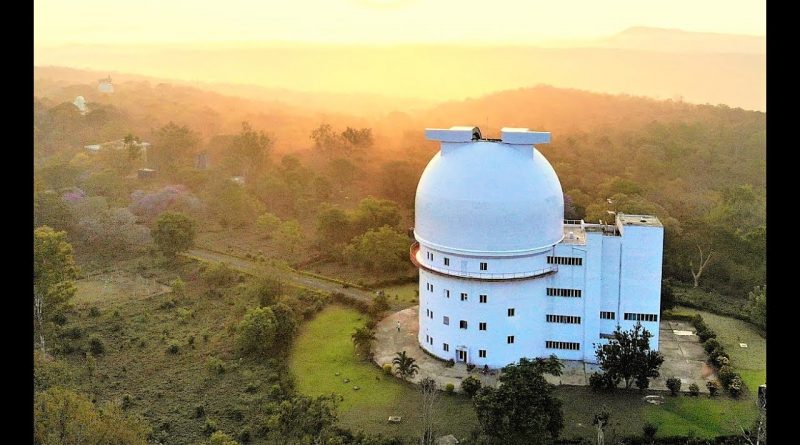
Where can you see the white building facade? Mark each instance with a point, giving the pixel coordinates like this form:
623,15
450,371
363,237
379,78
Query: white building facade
501,274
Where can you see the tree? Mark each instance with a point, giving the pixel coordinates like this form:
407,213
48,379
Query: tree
249,152
406,366
713,388
265,290
674,385
667,295
381,250
701,265
220,438
333,228
49,209
174,232
343,171
257,330
54,270
427,388
288,236
600,421
398,182
757,306
268,222
649,431
173,147
471,385
362,339
285,325
628,357
64,417
232,204
522,409
373,213
358,138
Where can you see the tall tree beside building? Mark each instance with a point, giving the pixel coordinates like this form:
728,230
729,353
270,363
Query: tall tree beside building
54,270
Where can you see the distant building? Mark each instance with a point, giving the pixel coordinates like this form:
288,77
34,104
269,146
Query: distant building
238,179
80,104
92,148
503,276
105,85
146,173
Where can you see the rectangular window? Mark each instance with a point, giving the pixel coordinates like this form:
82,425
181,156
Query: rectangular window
462,324
463,296
427,339
482,353
431,287
431,256
562,292
607,315
431,315
482,326
446,347
568,319
427,312
447,261
446,320
447,293
431,341
427,286
565,260
484,266
511,312
510,339
640,317
483,298
606,336
550,344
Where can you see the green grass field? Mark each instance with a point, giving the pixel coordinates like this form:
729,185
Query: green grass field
402,296
324,349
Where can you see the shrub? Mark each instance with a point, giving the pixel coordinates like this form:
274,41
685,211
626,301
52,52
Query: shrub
96,345
694,390
220,438
736,386
449,388
127,401
60,319
722,360
387,368
713,388
726,375
674,385
706,335
220,274
215,365
173,348
94,311
715,354
209,427
451,363
73,332
244,435
711,344
470,386
184,314
199,411
598,381
470,367
649,431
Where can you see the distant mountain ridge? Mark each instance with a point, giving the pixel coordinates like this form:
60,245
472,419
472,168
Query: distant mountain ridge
676,40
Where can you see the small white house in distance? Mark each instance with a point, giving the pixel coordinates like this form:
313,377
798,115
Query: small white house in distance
105,85
94,148
501,274
80,104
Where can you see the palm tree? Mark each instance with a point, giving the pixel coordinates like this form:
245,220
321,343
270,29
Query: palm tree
406,368
362,337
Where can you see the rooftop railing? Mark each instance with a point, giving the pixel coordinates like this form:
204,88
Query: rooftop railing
414,250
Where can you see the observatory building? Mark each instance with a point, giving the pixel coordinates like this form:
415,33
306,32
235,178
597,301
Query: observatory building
503,276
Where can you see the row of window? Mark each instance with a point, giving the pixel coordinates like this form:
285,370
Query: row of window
565,260
562,292
606,315
446,261
549,344
569,319
641,317
429,340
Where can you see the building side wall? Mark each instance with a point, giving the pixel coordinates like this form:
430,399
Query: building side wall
642,255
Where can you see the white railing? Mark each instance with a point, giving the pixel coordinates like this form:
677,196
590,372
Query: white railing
414,250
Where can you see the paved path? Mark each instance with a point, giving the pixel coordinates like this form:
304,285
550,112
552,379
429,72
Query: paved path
286,275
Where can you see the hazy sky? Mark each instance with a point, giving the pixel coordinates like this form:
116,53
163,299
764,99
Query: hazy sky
380,21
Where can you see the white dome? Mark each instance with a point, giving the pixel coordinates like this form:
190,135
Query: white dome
490,198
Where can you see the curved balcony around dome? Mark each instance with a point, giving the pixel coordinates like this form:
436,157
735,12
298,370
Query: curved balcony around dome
419,262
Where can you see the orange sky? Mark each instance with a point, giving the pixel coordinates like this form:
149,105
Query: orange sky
380,21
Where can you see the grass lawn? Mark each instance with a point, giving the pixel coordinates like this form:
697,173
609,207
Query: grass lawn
324,348
403,295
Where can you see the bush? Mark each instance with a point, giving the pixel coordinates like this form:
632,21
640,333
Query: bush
220,274
209,427
470,367
736,386
713,388
706,334
387,368
470,386
726,375
722,360
449,388
94,311
598,382
649,431
450,363
244,435
199,411
712,344
694,390
127,401
173,348
96,345
674,385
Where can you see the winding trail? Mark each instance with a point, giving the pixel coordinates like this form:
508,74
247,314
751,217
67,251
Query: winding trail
288,276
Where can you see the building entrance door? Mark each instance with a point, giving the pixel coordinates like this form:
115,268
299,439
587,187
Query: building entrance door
461,355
